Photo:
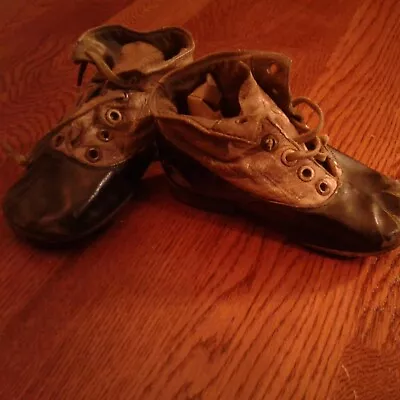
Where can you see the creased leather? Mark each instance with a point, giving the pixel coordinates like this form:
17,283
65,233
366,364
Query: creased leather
63,196
231,147
107,41
61,200
126,52
217,164
129,136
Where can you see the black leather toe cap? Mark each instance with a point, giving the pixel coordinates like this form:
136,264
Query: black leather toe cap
364,215
61,200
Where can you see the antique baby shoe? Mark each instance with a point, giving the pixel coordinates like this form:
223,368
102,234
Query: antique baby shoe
87,167
232,138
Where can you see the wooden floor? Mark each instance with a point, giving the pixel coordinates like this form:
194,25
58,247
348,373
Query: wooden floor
175,303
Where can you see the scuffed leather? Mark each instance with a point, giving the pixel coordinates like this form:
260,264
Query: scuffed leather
63,196
107,41
59,200
245,164
131,135
144,55
361,217
232,147
354,222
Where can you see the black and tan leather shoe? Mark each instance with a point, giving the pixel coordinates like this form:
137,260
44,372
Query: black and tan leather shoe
87,167
231,138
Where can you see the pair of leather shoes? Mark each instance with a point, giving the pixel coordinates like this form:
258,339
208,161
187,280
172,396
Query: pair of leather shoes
230,138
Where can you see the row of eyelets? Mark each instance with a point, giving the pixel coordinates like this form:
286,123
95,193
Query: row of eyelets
307,174
113,116
269,143
93,154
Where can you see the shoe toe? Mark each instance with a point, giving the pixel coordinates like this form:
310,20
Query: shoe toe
47,204
390,225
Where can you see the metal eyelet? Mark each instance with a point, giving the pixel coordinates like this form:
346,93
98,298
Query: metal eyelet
93,154
305,173
285,160
104,135
323,188
58,140
269,143
272,68
113,116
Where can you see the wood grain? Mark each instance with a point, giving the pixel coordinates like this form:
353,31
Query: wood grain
176,303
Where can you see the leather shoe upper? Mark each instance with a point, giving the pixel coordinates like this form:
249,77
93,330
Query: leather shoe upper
86,167
230,130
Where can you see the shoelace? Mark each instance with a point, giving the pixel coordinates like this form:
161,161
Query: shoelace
106,76
310,136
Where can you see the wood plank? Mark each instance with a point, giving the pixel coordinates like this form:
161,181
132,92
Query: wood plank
176,303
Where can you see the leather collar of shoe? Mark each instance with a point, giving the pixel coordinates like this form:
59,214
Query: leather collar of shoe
234,147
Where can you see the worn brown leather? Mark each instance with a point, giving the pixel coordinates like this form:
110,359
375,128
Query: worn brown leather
227,164
141,58
88,166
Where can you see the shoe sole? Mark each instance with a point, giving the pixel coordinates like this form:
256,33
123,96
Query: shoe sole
221,206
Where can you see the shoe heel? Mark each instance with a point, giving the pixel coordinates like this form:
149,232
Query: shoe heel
202,202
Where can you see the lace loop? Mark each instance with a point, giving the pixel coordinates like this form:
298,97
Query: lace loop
109,74
301,125
309,135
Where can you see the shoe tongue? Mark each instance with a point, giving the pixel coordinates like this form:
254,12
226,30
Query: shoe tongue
139,56
254,101
136,56
204,100
247,96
